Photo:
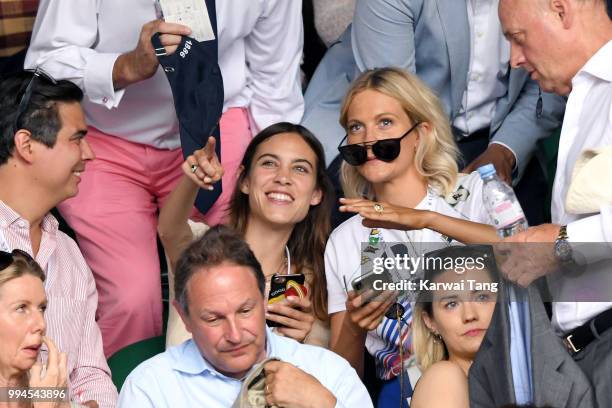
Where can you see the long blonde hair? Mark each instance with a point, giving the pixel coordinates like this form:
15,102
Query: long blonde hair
428,347
436,155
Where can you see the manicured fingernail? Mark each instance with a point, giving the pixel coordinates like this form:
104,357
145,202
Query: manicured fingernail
207,180
210,188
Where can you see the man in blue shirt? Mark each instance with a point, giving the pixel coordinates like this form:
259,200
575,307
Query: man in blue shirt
219,288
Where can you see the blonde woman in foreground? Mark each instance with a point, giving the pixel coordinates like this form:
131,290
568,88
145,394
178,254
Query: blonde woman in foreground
448,325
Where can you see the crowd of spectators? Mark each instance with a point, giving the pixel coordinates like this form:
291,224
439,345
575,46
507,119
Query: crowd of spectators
276,192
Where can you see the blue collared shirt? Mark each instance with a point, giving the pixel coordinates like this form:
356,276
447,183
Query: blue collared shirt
181,377
520,346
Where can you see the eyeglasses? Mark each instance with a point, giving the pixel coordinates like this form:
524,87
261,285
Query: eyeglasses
24,102
7,258
386,150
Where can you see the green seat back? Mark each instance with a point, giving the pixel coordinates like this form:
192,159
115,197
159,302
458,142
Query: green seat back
125,360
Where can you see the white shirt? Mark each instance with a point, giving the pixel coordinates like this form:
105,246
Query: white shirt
587,125
489,57
343,257
260,49
181,377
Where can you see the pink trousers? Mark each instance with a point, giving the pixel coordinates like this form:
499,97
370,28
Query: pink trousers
115,219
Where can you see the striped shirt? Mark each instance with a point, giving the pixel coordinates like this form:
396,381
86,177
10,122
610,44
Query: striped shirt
16,22
72,298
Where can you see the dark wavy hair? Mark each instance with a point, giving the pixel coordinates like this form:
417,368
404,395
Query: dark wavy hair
41,116
309,236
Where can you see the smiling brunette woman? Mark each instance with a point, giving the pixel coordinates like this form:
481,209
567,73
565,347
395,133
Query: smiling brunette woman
282,206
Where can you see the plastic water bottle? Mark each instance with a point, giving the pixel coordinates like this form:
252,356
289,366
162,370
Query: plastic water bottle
501,203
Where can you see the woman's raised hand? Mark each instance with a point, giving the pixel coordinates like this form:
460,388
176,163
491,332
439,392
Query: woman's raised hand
203,166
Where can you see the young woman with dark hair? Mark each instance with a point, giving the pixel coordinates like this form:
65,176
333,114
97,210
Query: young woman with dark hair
281,205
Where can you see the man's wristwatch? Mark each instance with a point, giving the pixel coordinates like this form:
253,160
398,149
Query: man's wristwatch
563,249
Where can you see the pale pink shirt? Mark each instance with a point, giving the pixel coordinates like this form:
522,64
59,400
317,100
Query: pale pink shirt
72,302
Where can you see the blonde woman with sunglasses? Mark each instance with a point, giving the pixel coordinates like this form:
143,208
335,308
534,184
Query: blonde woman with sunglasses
401,179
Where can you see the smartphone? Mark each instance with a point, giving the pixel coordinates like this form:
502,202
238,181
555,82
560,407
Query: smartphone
366,281
282,286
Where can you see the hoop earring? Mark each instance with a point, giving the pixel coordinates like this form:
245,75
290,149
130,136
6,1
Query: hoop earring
437,338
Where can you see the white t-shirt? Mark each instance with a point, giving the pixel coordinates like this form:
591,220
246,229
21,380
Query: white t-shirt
343,260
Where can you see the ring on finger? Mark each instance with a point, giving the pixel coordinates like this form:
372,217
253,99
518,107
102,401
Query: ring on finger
378,207
194,168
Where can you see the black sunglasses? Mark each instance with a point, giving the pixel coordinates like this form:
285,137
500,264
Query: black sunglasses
24,102
386,150
7,258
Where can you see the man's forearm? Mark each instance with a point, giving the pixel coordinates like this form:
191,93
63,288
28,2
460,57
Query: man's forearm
127,70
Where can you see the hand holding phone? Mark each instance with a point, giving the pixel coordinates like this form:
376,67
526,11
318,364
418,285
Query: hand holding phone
289,309
367,303
282,286
371,281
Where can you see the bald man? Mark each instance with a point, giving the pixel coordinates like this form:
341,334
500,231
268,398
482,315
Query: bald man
566,46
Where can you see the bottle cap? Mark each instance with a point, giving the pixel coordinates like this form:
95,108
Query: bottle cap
487,170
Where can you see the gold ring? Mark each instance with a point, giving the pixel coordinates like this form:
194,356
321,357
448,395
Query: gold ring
378,207
194,168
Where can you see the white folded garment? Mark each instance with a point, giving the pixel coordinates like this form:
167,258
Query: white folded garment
591,185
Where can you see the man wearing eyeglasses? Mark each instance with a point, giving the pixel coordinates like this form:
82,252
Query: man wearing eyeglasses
43,154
